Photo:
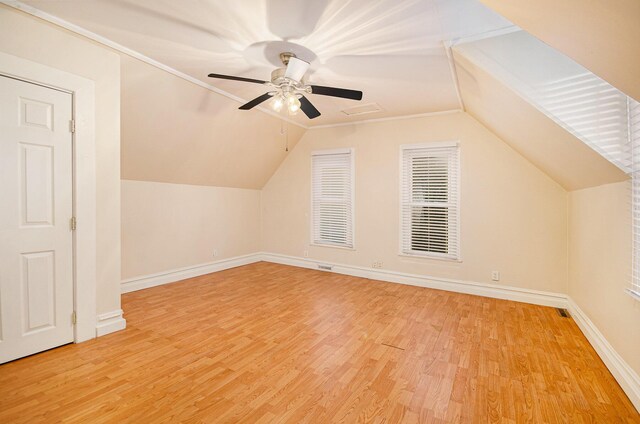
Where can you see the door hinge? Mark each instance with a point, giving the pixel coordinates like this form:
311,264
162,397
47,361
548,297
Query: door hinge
73,223
74,318
72,125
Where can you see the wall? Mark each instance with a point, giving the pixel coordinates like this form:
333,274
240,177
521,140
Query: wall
170,226
600,265
513,216
38,41
192,165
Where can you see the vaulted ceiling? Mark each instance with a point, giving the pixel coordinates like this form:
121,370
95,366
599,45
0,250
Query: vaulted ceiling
396,51
392,50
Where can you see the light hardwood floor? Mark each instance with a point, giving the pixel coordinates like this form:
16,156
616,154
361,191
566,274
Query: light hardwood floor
271,343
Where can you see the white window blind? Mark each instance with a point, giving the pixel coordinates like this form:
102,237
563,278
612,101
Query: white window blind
634,142
429,200
332,198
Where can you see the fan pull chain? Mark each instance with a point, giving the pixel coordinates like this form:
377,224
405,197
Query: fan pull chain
285,132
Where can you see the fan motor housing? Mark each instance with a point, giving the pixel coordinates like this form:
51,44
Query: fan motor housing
278,79
277,76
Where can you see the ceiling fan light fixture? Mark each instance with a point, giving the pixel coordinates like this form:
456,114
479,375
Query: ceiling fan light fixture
289,85
293,104
277,103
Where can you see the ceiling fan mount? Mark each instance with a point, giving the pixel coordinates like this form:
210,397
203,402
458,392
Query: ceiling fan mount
279,76
285,56
290,87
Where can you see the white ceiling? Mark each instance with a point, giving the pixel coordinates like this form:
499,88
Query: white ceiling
392,50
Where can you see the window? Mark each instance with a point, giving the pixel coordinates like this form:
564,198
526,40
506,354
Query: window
634,141
429,200
332,198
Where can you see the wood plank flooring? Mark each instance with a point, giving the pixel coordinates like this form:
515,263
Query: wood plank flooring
269,343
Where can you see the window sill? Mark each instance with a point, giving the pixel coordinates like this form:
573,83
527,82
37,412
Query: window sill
332,246
435,258
633,294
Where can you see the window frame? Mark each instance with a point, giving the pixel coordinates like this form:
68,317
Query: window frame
633,128
351,152
457,256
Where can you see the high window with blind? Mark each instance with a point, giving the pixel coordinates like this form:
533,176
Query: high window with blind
332,198
429,200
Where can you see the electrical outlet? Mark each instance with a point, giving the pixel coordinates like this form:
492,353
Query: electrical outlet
215,252
376,264
306,253
495,275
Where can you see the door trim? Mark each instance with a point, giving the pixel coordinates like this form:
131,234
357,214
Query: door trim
84,180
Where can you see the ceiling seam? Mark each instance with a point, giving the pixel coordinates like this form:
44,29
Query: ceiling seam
135,54
484,35
448,46
454,72
389,118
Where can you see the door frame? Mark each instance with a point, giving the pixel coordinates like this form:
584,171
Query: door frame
82,92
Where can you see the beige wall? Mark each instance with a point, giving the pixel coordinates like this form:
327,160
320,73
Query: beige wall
178,132
513,216
192,165
601,35
600,265
30,38
170,226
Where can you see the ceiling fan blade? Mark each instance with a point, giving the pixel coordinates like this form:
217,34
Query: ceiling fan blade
336,92
308,109
255,102
231,77
296,69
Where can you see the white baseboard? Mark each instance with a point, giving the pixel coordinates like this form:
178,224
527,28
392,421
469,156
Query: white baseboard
622,372
535,297
171,276
110,322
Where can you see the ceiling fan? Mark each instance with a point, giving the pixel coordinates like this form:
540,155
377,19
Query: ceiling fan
290,88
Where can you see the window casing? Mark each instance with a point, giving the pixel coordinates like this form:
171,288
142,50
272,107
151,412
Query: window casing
634,142
429,200
332,198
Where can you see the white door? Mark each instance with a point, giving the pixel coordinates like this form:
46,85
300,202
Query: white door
36,244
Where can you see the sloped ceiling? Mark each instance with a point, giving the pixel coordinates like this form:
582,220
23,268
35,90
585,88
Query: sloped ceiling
601,35
551,148
576,99
392,50
501,80
177,132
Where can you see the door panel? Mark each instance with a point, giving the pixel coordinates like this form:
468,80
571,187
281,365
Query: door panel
36,185
37,285
36,244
